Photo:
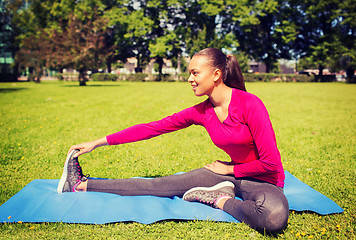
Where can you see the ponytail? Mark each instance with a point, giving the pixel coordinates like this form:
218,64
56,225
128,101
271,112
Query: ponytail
229,66
234,78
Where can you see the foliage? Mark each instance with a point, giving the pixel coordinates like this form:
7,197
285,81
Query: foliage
275,77
264,30
243,60
136,77
104,77
183,77
162,48
86,41
34,53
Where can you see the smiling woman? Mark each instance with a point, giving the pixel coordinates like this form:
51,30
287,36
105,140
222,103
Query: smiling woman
230,71
237,122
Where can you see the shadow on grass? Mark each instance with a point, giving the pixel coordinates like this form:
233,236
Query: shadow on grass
9,90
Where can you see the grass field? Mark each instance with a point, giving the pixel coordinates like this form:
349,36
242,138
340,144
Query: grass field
315,127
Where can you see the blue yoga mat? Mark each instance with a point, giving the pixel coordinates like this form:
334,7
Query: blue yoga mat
40,202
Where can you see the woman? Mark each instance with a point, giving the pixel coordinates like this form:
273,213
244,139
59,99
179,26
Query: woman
237,122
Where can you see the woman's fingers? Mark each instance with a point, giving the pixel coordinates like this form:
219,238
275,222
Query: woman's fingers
83,148
220,167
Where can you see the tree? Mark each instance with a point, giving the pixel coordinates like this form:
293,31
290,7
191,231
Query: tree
321,15
164,42
138,28
243,60
115,12
34,54
81,44
326,34
16,24
6,42
58,34
263,30
161,48
346,58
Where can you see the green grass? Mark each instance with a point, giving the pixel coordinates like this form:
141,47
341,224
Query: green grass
314,125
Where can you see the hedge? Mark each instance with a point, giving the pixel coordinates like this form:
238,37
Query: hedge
249,77
67,76
274,77
264,77
104,77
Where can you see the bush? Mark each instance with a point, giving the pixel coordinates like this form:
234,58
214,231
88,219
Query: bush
31,77
66,76
325,78
104,77
8,77
59,76
166,78
136,77
183,77
274,77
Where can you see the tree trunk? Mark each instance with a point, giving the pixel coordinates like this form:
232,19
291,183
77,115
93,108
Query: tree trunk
138,69
350,75
38,78
179,70
160,62
321,68
38,74
268,66
82,78
16,70
108,64
320,74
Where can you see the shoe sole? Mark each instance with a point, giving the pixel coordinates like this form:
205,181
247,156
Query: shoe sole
213,188
65,172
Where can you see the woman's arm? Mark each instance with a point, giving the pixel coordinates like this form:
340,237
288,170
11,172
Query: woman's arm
88,146
256,117
144,131
269,160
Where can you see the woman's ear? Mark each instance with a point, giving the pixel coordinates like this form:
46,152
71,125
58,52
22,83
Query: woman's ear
217,75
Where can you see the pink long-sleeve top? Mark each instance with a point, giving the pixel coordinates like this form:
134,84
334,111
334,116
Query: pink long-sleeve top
246,135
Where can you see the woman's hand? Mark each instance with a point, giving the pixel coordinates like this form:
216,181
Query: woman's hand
220,167
88,146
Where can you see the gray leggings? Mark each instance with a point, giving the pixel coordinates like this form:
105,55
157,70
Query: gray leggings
264,206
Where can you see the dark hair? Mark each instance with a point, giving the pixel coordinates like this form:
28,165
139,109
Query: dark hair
228,64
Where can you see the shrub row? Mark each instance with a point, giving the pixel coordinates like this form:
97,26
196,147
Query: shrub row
104,77
138,77
249,77
273,77
67,76
8,77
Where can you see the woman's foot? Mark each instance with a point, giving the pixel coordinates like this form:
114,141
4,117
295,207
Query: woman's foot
72,174
211,195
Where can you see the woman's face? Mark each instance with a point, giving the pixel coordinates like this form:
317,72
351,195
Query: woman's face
202,76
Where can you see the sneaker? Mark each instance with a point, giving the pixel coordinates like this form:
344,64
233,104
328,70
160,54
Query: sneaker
72,174
210,195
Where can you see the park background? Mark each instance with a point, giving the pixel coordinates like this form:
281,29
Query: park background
43,37
314,121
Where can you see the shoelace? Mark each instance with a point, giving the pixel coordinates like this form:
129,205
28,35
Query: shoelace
81,177
79,169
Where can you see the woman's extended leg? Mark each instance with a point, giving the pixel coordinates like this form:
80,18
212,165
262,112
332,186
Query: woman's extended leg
264,206
168,186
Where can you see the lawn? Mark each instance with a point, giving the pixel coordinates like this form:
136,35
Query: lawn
314,123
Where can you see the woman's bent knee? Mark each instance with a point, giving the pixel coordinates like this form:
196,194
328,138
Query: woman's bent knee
277,220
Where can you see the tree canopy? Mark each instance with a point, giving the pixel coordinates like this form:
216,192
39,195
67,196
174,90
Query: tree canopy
92,34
